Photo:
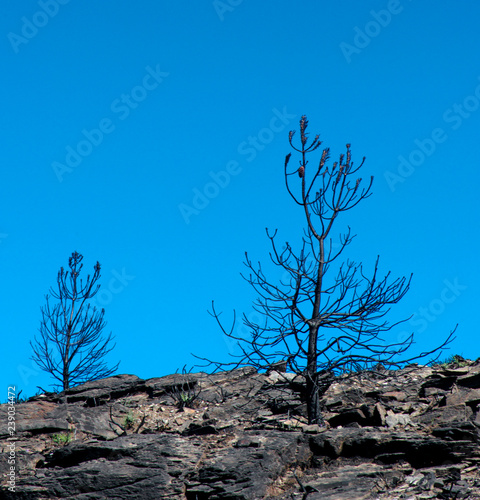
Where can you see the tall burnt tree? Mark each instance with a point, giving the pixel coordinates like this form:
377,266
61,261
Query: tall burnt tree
314,320
71,347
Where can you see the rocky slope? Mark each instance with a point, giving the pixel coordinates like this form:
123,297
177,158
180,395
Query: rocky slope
410,434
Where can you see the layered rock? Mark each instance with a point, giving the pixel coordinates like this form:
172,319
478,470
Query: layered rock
410,433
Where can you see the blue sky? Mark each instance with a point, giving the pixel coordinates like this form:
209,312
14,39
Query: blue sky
151,136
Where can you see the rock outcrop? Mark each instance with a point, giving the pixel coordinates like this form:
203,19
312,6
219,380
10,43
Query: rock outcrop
406,434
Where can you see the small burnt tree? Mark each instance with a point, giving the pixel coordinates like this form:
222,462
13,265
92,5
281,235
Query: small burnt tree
71,347
314,320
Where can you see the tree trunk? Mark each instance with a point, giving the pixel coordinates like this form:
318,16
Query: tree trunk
313,397
313,400
66,384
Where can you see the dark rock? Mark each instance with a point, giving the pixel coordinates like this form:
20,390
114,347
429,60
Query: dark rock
36,417
279,366
347,417
39,417
419,450
99,392
468,396
201,428
445,414
472,379
462,431
246,437
379,415
157,387
393,396
439,381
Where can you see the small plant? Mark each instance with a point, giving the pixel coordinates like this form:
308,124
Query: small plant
129,403
455,361
458,361
129,420
18,399
62,439
187,399
185,393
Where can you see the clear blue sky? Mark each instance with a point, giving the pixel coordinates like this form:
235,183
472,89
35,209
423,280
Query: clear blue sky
116,115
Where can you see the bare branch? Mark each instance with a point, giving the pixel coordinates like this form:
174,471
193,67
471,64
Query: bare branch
315,319
71,347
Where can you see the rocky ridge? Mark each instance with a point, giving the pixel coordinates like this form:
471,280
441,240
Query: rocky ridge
241,435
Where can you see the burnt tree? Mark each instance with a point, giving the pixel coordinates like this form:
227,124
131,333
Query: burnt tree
71,346
318,321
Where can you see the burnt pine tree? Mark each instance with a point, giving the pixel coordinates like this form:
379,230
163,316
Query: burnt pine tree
71,346
321,318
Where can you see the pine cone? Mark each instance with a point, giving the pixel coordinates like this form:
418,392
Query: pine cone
301,172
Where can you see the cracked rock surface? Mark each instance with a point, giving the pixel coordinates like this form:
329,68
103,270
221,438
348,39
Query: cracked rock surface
241,435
